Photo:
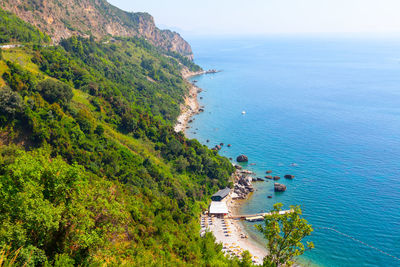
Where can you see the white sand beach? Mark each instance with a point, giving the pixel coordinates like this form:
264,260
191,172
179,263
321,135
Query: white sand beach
230,233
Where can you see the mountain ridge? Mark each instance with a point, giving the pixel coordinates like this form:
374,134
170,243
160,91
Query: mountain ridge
61,19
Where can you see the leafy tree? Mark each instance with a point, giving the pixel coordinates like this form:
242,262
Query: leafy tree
246,260
55,91
11,104
285,233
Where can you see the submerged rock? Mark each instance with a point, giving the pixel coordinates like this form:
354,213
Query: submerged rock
269,196
269,177
276,178
268,172
289,176
229,145
221,144
242,158
279,187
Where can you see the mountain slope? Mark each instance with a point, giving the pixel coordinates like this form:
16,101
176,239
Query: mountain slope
91,170
64,18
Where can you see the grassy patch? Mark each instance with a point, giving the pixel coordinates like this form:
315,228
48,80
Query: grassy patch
21,57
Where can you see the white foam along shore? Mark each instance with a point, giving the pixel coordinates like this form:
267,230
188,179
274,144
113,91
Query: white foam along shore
230,232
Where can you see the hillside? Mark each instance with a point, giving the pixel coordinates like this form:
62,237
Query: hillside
65,18
91,170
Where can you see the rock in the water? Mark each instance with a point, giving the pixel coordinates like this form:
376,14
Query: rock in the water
242,158
269,196
238,167
201,97
279,187
260,179
218,147
221,144
201,110
289,176
269,177
229,145
208,141
230,158
268,172
276,178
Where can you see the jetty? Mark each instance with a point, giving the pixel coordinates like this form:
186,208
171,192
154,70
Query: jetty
257,216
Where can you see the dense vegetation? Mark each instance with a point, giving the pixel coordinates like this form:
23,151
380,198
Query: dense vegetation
12,30
91,169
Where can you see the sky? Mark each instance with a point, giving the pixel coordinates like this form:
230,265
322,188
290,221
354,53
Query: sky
263,17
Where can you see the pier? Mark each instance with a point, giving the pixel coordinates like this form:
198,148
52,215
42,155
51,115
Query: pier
257,216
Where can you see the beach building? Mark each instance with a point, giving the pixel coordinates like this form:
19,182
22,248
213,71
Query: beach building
218,208
221,194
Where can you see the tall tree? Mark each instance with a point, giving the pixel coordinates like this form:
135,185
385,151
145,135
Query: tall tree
285,233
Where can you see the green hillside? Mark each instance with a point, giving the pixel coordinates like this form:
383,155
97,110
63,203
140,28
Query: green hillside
91,170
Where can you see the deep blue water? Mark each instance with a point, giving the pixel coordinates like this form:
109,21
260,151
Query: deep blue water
331,107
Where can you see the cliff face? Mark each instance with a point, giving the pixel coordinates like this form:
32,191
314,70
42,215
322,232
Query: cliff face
64,18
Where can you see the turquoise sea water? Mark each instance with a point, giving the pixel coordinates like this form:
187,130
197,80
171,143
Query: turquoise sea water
325,110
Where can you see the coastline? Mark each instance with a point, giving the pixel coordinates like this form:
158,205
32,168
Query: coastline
238,238
191,105
229,230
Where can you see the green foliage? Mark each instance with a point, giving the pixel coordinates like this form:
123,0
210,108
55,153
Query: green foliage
55,92
11,105
18,79
107,180
13,29
285,233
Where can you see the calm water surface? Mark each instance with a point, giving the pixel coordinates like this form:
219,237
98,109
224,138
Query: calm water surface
325,110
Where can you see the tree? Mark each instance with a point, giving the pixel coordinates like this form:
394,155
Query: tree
11,104
246,260
55,91
285,233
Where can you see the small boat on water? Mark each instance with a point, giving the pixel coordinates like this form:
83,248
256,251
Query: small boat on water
243,112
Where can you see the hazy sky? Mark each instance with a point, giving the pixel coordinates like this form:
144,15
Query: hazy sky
271,16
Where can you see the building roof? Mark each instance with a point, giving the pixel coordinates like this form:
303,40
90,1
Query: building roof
218,207
222,193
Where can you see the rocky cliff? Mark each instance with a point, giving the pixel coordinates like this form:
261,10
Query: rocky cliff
64,18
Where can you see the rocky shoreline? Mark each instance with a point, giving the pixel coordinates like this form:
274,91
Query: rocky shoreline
191,105
242,185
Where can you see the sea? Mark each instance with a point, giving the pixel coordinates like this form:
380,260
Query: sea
325,109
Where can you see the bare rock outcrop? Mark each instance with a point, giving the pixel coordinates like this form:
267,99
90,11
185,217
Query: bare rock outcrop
242,158
279,187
